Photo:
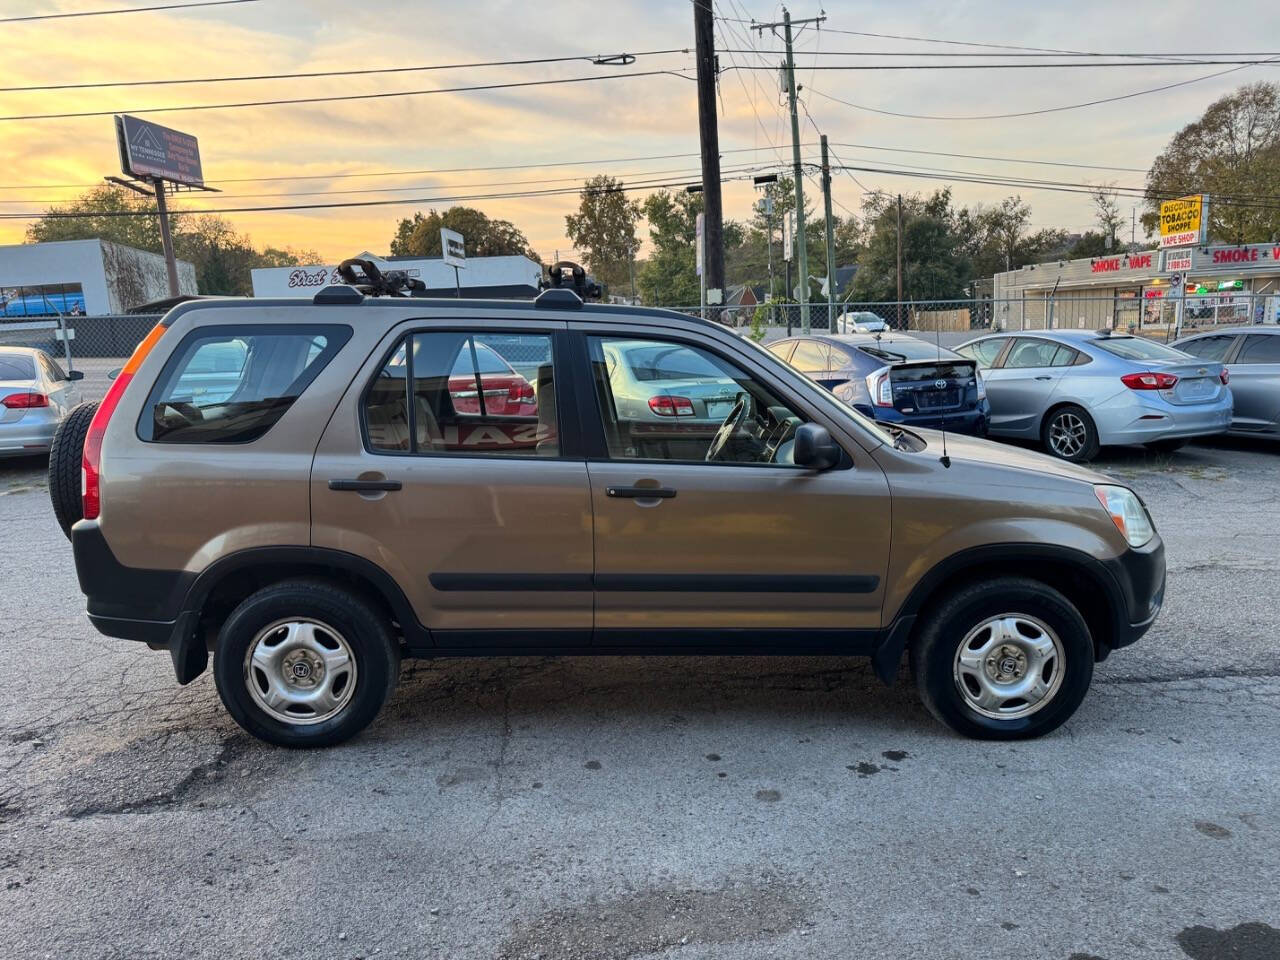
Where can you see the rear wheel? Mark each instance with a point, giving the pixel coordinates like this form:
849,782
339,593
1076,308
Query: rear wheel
1167,446
305,664
1007,659
1069,434
65,463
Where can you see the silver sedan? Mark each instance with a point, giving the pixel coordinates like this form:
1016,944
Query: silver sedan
1077,390
35,395
1252,357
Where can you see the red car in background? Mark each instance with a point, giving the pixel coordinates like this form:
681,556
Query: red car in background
506,392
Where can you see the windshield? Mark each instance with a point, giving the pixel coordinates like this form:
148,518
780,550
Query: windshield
1138,348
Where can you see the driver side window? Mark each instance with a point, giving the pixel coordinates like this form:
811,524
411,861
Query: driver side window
664,400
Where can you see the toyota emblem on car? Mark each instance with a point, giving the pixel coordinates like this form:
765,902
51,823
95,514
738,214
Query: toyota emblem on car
940,384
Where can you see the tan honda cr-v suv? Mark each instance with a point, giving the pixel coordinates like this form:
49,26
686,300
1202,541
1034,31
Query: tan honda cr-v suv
313,489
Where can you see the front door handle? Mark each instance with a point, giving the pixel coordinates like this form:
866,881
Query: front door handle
1044,378
641,493
365,486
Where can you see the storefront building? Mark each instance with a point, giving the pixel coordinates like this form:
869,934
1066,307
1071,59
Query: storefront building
1237,284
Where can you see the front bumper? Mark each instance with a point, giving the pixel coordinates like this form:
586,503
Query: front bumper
1140,576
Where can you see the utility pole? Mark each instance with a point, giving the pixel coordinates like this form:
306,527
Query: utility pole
790,68
899,260
831,239
709,136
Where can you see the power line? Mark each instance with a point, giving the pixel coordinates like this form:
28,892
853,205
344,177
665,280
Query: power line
415,201
347,97
1084,65
1030,113
106,13
95,85
1064,53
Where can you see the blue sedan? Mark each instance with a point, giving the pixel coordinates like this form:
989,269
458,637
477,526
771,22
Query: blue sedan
894,378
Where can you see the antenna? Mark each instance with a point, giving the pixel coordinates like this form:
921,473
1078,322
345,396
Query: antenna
937,336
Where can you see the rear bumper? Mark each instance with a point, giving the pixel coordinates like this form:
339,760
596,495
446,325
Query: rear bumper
31,434
130,602
1152,418
973,423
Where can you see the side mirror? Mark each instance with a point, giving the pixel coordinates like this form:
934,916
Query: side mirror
75,375
814,447
111,375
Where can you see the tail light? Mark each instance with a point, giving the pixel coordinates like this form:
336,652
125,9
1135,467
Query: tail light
665,406
1224,376
25,401
521,391
1149,381
91,459
880,388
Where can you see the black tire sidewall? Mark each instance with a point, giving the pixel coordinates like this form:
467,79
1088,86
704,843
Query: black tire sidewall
1091,447
66,454
933,657
375,651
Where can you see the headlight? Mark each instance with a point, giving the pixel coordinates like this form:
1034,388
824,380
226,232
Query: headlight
1127,513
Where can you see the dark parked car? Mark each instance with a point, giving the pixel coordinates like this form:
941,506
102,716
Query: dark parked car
895,379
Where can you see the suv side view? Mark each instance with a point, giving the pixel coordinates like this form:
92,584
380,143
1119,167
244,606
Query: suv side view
311,490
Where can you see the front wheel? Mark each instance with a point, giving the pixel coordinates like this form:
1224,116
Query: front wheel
1007,659
305,664
1069,434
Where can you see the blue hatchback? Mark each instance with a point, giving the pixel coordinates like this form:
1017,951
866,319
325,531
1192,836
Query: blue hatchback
894,378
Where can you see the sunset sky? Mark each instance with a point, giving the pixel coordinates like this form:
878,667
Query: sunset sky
560,128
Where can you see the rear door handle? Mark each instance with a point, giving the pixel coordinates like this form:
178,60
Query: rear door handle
364,485
641,493
1044,378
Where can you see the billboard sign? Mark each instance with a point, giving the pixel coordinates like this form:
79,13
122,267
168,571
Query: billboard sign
1184,222
453,248
150,151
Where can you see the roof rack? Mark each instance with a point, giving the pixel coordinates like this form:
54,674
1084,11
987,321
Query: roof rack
374,283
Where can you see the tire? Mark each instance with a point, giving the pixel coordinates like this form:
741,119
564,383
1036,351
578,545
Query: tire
1167,446
329,622
960,620
64,466
1069,434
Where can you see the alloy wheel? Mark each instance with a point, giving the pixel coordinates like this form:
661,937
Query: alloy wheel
1068,434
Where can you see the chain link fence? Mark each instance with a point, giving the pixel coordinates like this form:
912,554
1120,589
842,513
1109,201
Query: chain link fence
92,345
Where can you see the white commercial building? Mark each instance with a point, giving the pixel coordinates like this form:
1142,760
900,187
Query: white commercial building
483,276
1235,284
92,277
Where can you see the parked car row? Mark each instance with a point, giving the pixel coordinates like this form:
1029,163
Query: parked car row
1072,391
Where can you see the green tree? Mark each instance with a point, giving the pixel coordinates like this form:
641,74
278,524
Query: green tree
98,215
419,236
1233,150
604,228
934,260
669,275
995,239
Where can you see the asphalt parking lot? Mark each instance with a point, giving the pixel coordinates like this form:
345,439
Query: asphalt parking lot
649,807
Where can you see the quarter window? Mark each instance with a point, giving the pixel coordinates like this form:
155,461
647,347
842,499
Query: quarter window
231,384
458,393
1031,353
810,357
661,400
984,351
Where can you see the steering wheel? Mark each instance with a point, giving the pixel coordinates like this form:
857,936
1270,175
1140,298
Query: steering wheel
743,410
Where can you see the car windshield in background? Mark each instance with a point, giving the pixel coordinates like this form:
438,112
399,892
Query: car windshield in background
16,366
669,363
1139,348
906,349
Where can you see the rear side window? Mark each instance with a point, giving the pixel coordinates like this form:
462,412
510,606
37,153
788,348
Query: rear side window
984,351
811,356
1209,348
1031,353
230,384
1260,348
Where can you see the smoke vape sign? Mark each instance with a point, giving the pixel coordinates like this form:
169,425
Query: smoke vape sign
150,150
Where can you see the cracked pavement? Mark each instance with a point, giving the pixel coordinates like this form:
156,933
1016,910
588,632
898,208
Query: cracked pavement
652,807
